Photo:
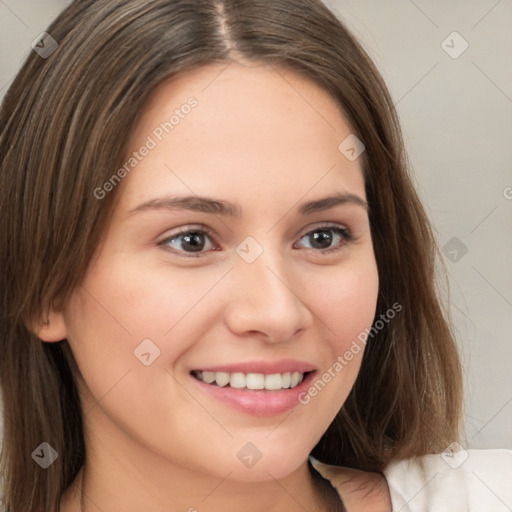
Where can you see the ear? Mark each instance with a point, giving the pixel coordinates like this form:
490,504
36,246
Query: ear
52,328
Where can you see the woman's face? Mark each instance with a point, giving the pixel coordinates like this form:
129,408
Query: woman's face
271,279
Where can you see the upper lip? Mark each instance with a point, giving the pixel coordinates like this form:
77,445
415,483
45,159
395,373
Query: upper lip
265,367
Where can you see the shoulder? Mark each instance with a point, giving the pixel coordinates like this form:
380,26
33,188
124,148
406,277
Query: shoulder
470,480
359,490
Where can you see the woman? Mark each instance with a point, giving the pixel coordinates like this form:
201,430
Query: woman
218,286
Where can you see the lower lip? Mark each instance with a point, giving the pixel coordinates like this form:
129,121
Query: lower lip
257,402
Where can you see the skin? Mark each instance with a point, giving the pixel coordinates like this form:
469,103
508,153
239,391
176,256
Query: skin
268,140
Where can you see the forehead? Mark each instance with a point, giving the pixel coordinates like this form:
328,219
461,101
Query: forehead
246,87
251,126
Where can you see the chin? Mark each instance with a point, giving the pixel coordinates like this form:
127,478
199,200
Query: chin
263,471
258,462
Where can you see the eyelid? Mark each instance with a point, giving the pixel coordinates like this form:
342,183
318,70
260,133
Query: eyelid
324,225
189,228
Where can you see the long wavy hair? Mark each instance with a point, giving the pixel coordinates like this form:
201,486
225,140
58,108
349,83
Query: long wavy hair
64,126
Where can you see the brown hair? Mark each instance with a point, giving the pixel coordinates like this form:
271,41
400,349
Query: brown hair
64,125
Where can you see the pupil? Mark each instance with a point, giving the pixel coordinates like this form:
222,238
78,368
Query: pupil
195,241
322,237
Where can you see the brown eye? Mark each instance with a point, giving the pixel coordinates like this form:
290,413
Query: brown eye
327,238
189,242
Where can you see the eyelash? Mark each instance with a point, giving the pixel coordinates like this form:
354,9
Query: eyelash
344,233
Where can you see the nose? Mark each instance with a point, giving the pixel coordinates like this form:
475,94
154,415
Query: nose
265,300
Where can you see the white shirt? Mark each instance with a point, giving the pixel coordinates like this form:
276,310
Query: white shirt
469,480
464,481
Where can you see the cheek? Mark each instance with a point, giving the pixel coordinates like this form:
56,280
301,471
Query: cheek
126,333
346,310
159,299
119,305
347,304
128,328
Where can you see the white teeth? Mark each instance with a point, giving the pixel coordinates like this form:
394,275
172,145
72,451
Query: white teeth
240,380
221,378
255,381
286,379
208,377
237,380
296,379
273,381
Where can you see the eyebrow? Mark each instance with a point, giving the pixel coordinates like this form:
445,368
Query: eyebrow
219,207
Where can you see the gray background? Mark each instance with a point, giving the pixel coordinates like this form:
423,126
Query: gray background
456,116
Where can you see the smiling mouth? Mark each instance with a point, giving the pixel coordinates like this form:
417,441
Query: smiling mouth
251,381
